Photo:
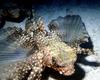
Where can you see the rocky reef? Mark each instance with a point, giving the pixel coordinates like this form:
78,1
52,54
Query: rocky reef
14,11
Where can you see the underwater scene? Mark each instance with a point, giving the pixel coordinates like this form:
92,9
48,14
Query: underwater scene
49,40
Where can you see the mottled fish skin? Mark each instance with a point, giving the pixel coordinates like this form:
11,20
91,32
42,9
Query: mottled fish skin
32,67
44,50
29,69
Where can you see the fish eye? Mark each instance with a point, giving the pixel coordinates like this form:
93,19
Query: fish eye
55,62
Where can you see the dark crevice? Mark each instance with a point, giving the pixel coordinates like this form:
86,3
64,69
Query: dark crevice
27,75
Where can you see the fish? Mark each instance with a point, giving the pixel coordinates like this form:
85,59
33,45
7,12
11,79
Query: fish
26,53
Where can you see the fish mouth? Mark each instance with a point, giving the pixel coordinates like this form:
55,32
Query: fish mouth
66,70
